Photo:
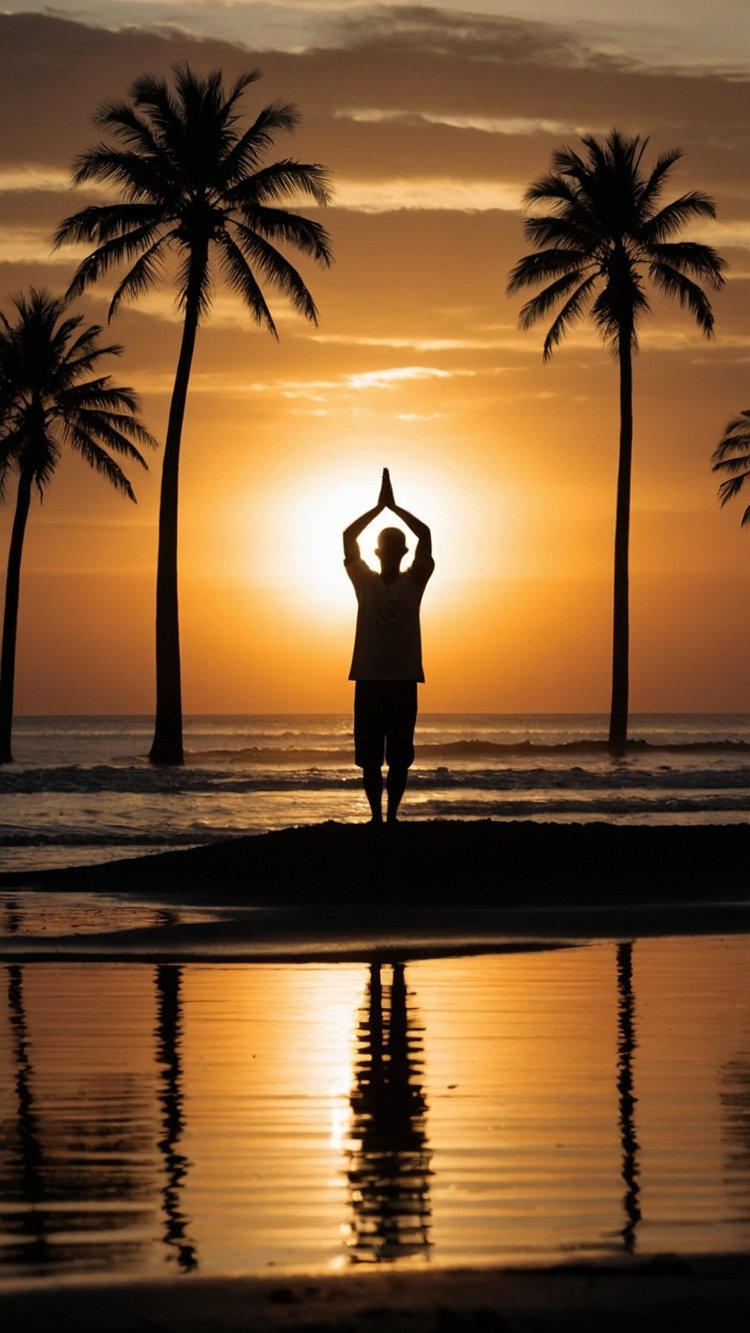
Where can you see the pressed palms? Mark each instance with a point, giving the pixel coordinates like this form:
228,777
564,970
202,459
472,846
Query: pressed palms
51,398
192,182
732,457
602,234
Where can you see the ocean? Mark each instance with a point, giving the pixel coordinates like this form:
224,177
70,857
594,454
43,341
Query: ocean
81,789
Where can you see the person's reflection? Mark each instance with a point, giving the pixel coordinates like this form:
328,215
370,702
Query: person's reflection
168,1035
31,1181
389,1167
626,1046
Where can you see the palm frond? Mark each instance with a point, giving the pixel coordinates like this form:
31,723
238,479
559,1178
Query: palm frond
81,442
548,298
141,277
116,432
673,216
652,188
248,149
571,312
128,127
675,284
102,223
276,269
241,279
278,224
153,95
732,486
736,436
617,320
691,257
732,465
187,174
551,188
538,266
54,398
283,178
111,254
140,177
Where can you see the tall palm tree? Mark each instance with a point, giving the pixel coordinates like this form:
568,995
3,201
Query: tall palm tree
601,231
48,400
192,182
732,456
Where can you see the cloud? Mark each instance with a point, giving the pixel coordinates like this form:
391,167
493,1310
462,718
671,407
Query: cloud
395,375
32,245
386,196
28,177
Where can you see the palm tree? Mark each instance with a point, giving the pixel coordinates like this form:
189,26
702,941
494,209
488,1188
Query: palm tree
48,400
601,231
732,456
191,182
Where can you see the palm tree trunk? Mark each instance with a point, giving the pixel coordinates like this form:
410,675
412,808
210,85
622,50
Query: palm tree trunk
10,615
618,718
167,743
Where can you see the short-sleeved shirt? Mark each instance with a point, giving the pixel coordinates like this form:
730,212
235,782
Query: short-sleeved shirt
387,641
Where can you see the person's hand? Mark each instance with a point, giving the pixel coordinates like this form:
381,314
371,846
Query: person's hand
386,491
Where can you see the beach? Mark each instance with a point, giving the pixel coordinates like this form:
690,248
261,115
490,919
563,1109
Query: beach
667,1293
420,889
346,890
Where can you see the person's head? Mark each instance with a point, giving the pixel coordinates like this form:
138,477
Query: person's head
391,548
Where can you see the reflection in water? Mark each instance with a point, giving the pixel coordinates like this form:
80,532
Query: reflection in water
157,1117
626,1046
32,1222
389,1168
735,1100
75,1175
11,916
168,1036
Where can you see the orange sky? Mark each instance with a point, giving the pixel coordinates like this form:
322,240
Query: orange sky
431,128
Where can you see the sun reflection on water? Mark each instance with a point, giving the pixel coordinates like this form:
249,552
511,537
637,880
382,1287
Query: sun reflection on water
516,1108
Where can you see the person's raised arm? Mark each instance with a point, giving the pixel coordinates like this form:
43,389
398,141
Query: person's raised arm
415,525
351,545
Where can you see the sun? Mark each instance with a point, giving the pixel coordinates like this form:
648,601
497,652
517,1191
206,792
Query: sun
308,520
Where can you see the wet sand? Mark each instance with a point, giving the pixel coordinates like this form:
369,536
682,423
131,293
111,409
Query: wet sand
687,1294
421,888
339,890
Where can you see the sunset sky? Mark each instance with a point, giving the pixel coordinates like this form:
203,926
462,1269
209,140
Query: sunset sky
432,121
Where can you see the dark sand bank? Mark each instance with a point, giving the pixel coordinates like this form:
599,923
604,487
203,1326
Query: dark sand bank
345,890
692,1295
482,861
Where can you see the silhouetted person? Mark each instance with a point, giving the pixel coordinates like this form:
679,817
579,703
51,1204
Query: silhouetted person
387,658
389,1170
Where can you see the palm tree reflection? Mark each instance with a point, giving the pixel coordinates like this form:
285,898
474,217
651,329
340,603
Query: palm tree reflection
171,1097
389,1166
34,1224
626,1046
12,916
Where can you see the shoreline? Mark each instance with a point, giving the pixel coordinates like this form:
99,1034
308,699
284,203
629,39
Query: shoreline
693,1293
333,892
424,888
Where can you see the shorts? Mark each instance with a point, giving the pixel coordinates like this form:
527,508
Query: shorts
385,714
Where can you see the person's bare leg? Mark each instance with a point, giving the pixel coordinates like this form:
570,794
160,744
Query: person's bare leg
373,784
395,786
